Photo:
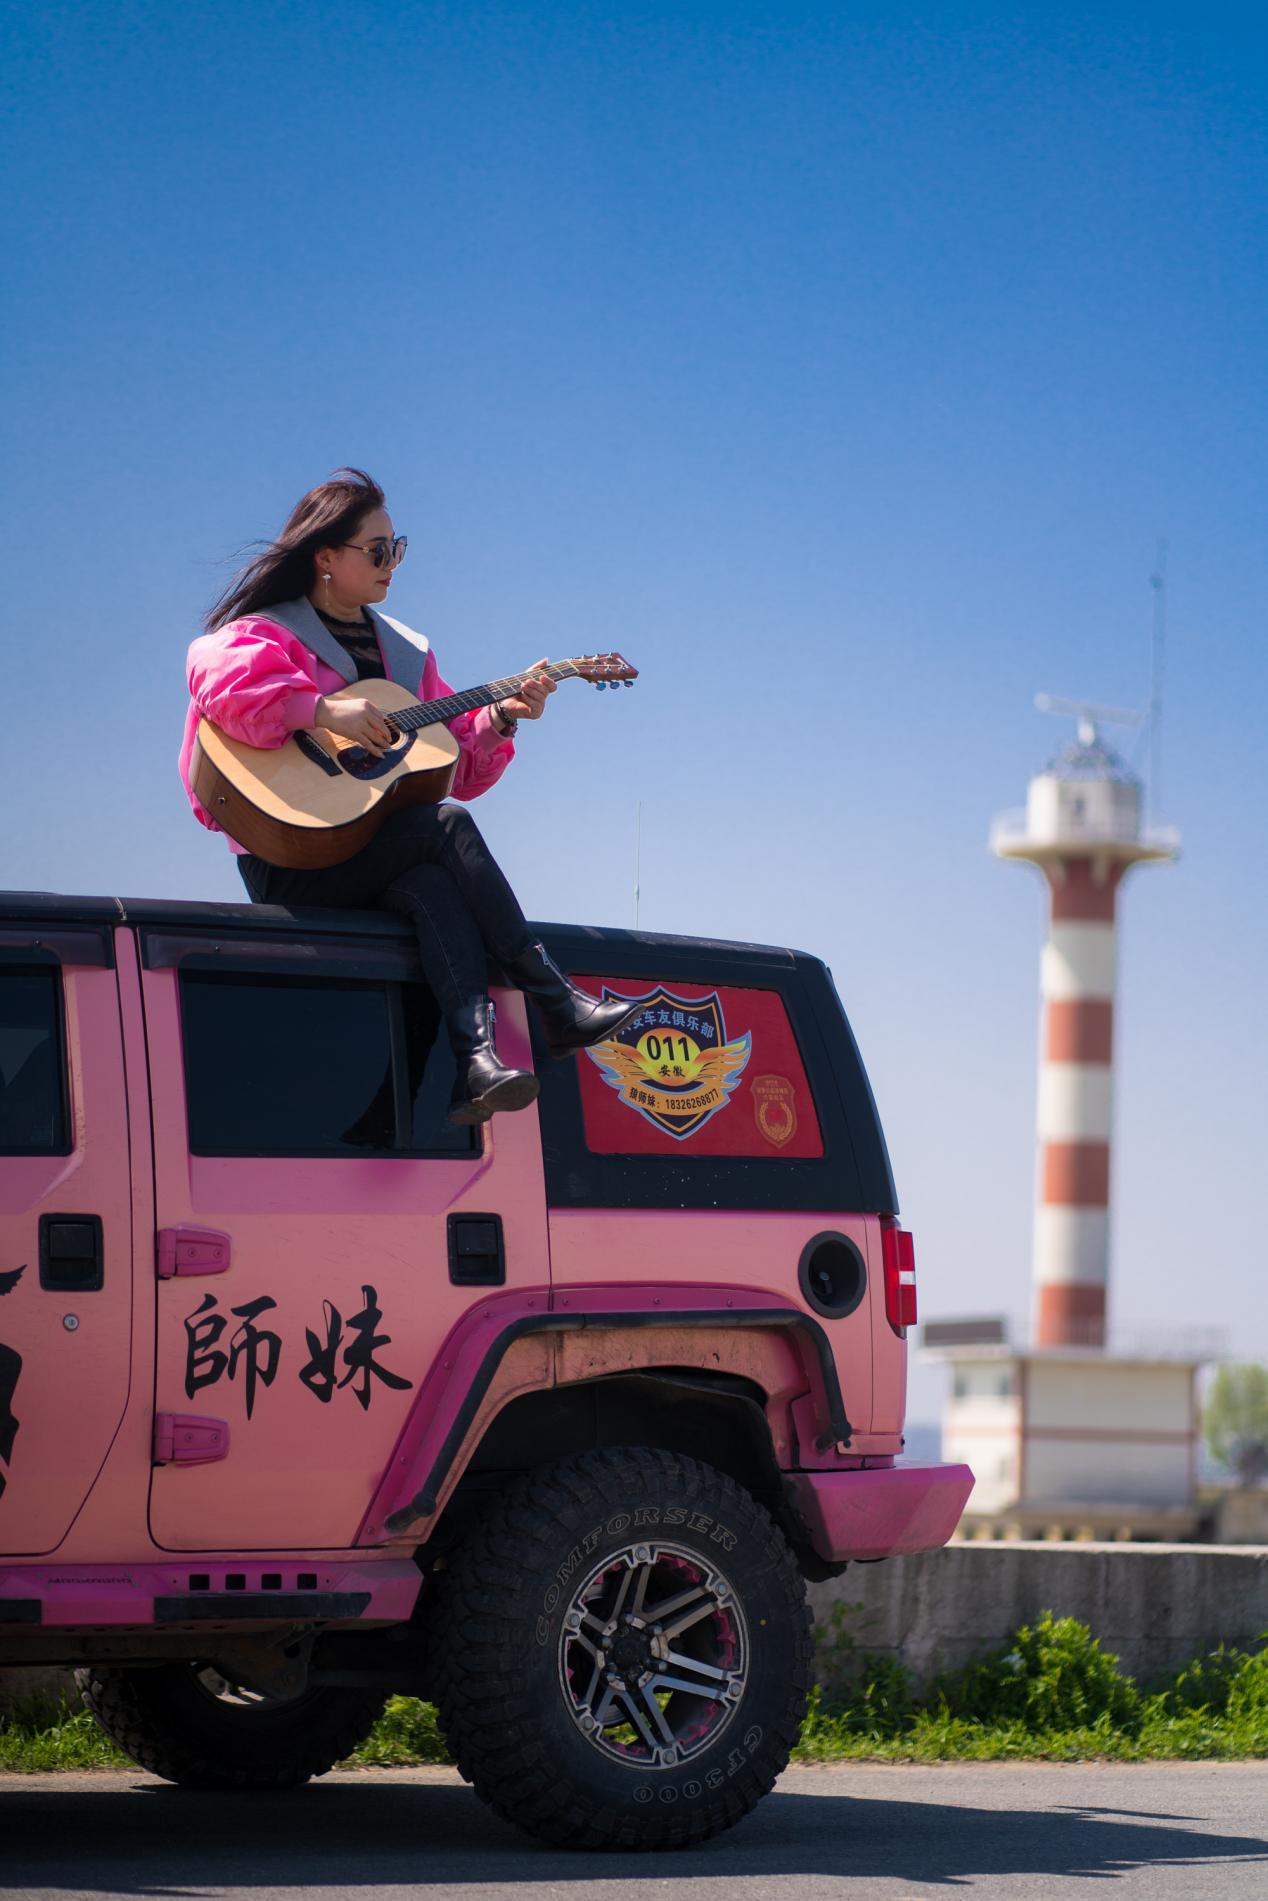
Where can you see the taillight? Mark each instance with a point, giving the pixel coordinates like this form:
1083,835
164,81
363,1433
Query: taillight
898,1256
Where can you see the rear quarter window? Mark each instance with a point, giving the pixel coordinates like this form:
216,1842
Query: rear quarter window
772,1109
704,1070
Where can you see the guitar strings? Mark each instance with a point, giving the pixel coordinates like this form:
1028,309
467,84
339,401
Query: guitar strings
433,712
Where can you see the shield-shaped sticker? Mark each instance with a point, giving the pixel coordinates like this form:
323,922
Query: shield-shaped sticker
672,1062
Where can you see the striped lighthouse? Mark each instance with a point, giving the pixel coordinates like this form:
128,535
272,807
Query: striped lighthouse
1082,828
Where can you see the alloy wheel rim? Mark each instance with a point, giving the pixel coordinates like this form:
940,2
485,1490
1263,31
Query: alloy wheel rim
653,1655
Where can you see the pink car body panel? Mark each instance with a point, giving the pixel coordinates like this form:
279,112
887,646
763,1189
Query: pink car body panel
310,1236
75,1347
726,1248
915,1506
881,1514
582,1333
332,1490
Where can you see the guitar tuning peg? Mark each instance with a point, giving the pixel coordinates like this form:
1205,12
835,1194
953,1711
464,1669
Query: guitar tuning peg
599,685
627,683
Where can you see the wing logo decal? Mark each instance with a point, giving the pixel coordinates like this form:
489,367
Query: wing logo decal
673,1063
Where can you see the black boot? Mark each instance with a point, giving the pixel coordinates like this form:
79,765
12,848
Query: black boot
573,1019
483,1085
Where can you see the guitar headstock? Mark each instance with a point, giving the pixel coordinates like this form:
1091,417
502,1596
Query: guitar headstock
605,669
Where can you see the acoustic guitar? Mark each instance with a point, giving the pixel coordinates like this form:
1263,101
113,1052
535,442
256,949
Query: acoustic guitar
318,798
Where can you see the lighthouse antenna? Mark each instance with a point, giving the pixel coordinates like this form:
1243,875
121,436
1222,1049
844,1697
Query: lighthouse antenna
1088,714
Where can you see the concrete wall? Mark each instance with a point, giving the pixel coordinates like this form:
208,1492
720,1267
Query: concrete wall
1153,1606
17,1685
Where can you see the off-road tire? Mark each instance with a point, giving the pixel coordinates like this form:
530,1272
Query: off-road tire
507,1687
166,1722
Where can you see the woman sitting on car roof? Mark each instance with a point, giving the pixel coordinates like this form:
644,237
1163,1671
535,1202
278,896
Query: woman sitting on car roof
295,626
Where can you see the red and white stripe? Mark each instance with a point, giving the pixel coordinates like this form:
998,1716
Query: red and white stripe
1071,1260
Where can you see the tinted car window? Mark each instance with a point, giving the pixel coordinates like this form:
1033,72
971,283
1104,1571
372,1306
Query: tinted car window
295,1066
827,1155
32,1092
429,1068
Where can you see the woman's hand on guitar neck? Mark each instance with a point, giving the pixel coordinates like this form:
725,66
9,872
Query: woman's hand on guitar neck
357,720
530,701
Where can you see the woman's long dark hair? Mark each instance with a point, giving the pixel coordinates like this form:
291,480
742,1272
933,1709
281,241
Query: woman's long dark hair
283,570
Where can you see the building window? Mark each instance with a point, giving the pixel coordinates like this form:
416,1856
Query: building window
316,1066
33,1119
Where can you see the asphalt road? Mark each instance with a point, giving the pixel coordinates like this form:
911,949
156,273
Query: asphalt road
1009,1832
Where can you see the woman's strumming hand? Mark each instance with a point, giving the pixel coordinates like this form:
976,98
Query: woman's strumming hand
530,701
357,720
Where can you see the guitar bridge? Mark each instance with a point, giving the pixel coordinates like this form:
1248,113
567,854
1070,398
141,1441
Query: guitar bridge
317,754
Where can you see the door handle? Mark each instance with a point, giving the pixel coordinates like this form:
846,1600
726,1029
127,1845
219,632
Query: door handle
72,1258
477,1255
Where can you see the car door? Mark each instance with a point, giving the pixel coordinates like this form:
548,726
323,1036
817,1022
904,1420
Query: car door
65,1227
321,1228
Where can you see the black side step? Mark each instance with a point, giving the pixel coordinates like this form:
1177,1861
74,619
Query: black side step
21,1610
305,1607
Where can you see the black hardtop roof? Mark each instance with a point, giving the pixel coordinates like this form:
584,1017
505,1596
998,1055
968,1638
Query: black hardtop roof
574,942
198,936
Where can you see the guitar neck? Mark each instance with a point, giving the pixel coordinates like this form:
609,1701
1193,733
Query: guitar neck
439,712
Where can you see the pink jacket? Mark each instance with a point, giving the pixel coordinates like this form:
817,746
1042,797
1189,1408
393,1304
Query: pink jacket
260,683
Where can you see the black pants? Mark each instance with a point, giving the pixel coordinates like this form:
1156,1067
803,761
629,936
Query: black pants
431,864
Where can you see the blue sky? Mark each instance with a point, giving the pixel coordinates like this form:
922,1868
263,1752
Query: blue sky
843,365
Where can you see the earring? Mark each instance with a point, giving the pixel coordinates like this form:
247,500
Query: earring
325,577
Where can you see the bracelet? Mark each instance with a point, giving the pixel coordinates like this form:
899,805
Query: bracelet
509,726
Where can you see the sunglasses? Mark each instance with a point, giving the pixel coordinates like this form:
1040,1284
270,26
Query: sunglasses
384,553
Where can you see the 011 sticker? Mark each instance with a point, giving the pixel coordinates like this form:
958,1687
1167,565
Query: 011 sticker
672,1062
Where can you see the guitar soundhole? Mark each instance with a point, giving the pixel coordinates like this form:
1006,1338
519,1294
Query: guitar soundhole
361,764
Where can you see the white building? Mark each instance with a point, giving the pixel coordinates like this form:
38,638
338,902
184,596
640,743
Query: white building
1073,1438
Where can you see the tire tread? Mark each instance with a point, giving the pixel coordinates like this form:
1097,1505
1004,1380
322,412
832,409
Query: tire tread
480,1688
131,1708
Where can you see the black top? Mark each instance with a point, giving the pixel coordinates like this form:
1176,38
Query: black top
38,927
360,643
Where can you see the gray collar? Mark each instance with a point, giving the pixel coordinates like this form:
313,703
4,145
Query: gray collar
404,651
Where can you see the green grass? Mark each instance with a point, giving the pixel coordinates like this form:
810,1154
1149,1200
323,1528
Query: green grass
405,1733
1054,1696
40,1733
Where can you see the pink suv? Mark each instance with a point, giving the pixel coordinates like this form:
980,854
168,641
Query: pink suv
308,1397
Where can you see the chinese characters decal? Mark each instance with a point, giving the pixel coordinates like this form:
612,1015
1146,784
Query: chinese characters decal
343,1354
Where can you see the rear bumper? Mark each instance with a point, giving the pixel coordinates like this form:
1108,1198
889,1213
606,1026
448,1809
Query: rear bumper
881,1513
